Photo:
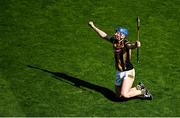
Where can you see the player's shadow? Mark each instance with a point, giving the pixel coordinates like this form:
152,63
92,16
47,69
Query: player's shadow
109,94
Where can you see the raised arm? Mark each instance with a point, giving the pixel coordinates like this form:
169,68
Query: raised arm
101,33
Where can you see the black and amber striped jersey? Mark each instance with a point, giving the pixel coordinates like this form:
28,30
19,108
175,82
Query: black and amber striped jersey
122,53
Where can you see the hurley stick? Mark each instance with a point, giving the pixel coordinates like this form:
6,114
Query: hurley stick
138,36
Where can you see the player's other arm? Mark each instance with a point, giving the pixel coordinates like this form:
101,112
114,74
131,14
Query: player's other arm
137,44
101,33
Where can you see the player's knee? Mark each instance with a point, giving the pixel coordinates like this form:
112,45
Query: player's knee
125,94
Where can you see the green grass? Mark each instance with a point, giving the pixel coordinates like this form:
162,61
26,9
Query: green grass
44,42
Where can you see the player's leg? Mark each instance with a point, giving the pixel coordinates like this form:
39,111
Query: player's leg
127,91
118,91
118,83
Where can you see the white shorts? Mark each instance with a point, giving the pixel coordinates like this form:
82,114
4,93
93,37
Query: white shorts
120,76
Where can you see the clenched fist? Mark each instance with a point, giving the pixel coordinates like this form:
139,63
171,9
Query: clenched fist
138,44
91,23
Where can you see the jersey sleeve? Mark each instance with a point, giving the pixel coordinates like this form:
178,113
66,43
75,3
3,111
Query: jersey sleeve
109,38
130,45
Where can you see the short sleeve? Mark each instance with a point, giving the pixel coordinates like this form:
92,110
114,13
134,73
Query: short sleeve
109,38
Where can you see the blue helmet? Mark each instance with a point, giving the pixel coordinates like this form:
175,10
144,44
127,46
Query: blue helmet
122,30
